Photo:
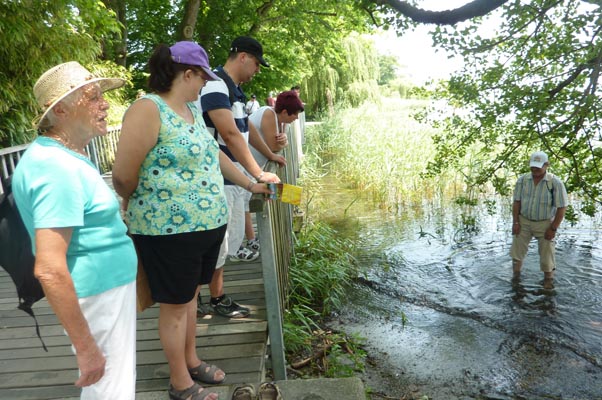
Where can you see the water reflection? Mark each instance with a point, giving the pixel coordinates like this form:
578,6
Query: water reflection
541,299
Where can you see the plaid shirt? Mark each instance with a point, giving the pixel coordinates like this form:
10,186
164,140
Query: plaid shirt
539,203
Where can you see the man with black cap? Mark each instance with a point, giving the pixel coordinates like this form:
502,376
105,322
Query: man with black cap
540,201
223,104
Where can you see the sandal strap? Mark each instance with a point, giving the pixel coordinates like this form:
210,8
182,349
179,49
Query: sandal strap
246,391
269,391
205,373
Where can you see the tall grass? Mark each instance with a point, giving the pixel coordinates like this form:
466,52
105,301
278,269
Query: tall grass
378,148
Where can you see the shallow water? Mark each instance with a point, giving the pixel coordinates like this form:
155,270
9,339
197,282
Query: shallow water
437,303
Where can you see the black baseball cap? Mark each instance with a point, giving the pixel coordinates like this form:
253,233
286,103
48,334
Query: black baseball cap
249,45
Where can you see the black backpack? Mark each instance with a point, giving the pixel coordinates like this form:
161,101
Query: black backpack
16,256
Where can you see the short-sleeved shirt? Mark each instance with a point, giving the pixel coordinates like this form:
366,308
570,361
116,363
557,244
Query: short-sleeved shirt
180,184
55,187
539,203
215,95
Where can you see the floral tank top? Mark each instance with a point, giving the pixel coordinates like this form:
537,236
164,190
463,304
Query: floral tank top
180,184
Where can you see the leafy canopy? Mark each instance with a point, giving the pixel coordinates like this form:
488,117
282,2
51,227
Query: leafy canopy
34,36
532,85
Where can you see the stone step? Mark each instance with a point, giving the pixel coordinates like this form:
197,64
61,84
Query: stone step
292,389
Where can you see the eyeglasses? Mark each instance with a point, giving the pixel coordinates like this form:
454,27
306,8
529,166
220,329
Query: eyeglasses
201,74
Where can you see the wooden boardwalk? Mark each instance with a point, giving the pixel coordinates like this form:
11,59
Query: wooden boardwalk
236,345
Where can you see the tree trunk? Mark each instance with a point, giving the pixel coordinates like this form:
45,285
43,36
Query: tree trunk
115,48
191,13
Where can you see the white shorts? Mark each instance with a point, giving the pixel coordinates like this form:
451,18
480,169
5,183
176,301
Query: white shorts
236,197
248,194
223,252
111,316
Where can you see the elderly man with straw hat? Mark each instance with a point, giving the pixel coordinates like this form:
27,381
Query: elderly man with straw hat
84,260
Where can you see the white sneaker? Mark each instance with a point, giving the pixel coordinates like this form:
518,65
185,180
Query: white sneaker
253,244
244,254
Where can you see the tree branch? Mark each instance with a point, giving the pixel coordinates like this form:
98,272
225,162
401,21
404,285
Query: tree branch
476,8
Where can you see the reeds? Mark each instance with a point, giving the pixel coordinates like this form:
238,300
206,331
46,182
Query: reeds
380,149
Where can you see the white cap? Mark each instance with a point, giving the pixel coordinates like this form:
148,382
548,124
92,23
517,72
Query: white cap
538,159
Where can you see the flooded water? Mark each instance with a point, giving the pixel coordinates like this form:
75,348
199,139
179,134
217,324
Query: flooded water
443,318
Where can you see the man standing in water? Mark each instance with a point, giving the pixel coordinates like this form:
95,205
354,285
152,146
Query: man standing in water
540,201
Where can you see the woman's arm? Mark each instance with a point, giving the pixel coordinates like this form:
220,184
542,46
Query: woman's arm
52,272
139,134
260,145
271,135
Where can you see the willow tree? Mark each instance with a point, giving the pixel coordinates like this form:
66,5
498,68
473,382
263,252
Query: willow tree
348,78
530,83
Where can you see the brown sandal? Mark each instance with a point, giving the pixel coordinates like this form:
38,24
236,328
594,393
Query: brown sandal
269,391
245,392
195,392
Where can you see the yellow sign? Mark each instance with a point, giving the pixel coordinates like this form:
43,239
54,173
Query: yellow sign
286,193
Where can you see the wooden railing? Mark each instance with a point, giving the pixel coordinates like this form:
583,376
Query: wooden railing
101,151
275,231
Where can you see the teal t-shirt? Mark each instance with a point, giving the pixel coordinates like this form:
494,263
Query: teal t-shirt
180,184
55,187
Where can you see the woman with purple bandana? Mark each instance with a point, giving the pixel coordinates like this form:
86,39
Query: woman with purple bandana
168,169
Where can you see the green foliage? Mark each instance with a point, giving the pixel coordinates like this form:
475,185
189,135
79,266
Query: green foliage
380,149
388,68
34,36
300,38
321,269
533,84
350,80
346,358
150,23
299,326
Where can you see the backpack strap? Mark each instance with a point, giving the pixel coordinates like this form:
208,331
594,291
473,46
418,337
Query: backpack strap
25,305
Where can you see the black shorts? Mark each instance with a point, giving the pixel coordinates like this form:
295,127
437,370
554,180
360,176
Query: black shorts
176,264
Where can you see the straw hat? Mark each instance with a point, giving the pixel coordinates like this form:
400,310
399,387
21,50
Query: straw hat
60,81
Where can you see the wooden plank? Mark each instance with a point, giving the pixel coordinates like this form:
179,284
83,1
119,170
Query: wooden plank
27,372
141,345
12,337
32,347
44,392
66,376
